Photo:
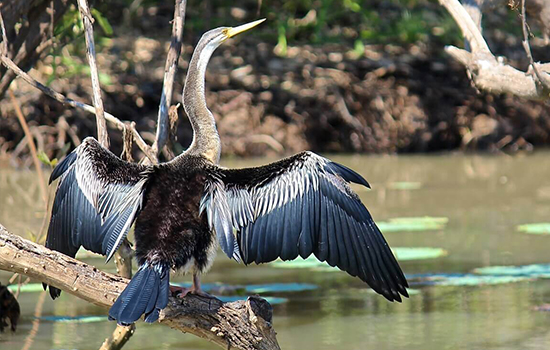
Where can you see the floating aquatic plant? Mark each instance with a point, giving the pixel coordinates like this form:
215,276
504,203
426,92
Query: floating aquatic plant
541,228
464,279
74,319
279,287
27,288
530,271
418,253
404,185
424,223
271,300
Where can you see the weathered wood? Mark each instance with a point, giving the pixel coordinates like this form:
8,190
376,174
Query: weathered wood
486,71
239,325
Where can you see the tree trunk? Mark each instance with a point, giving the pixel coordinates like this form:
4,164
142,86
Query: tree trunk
29,27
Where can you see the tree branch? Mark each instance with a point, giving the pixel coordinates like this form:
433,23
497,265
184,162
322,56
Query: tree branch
87,20
541,81
240,324
170,70
487,73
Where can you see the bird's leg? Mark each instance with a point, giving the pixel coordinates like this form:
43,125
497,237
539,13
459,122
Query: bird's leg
196,288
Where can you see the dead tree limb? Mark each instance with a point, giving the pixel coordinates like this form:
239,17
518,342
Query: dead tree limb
542,81
87,20
488,73
238,325
170,70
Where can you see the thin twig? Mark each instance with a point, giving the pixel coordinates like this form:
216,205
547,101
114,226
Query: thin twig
170,70
32,146
36,322
87,20
540,81
143,146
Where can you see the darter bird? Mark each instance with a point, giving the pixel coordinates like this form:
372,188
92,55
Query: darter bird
184,208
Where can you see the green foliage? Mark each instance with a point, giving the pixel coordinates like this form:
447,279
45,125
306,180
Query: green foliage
70,61
102,22
43,157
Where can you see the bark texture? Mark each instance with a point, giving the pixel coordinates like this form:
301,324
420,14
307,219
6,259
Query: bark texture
29,27
237,325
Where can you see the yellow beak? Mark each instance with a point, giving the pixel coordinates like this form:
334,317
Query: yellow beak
231,32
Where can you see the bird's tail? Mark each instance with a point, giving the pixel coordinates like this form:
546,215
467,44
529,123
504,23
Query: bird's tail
146,294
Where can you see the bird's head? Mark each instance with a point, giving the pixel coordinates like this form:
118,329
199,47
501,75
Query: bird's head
216,37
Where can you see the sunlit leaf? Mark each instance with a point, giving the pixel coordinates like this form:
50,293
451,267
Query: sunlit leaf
418,253
531,271
424,223
74,319
542,228
43,157
103,22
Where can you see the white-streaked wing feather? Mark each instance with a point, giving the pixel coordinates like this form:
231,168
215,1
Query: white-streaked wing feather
299,206
97,200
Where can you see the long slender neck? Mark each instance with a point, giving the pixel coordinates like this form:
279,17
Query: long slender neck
206,141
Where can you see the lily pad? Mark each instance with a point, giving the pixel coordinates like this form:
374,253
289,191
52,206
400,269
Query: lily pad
404,185
74,319
309,263
465,280
542,228
279,287
425,223
27,288
418,253
530,271
219,288
271,300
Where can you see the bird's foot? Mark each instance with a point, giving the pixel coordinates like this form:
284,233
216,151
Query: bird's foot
181,292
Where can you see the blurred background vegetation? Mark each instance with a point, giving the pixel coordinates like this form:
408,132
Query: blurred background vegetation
327,75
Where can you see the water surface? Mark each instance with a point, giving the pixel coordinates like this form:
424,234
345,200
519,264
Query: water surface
484,198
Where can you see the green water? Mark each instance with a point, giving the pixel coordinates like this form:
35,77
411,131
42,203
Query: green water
484,198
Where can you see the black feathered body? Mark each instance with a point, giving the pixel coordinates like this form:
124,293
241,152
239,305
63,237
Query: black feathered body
170,228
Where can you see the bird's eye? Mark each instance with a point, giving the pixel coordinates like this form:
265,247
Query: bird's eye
225,32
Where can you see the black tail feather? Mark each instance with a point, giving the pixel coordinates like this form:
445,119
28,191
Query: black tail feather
54,292
146,294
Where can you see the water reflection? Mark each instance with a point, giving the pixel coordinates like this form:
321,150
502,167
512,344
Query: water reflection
484,197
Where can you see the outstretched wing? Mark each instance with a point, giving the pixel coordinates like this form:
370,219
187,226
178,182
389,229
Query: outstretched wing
298,206
97,200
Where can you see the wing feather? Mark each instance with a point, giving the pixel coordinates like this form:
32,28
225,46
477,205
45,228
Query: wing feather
97,200
303,205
